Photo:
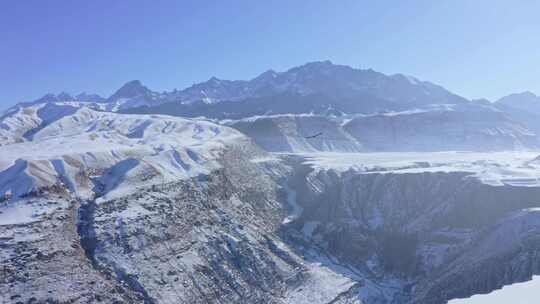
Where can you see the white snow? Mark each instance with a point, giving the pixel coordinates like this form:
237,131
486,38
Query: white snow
23,212
119,151
519,293
515,168
323,284
296,209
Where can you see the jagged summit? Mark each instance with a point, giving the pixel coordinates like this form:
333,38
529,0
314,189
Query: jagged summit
320,63
131,94
130,89
523,97
51,97
522,105
89,97
367,89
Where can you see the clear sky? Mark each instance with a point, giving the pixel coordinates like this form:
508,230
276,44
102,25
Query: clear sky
481,48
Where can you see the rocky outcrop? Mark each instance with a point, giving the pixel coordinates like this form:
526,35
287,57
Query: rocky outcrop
42,260
421,237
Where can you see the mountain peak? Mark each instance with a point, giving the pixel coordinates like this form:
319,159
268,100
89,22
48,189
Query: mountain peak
63,96
131,89
50,97
133,84
528,94
268,75
89,97
322,62
214,80
46,98
523,97
319,64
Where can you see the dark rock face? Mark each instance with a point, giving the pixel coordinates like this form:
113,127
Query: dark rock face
360,237
197,241
43,261
209,239
316,87
440,235
131,89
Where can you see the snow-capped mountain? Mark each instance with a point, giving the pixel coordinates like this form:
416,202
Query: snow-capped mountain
525,101
158,147
360,110
522,107
21,122
99,206
313,87
132,94
91,98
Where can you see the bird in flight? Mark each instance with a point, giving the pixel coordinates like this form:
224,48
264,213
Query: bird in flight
315,135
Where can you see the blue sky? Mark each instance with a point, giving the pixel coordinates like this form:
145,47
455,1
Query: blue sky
474,48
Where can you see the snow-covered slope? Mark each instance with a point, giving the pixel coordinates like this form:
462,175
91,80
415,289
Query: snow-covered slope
468,127
522,107
99,206
21,122
454,127
294,133
526,101
161,209
524,293
129,150
133,94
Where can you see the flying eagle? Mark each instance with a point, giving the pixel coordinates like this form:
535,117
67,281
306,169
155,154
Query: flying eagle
313,136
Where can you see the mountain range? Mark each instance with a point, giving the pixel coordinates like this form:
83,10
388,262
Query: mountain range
360,110
323,184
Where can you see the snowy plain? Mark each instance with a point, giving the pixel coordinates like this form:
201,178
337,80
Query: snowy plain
515,168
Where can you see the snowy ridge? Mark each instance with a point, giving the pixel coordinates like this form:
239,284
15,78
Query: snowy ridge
21,122
443,127
494,168
103,153
339,85
293,133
